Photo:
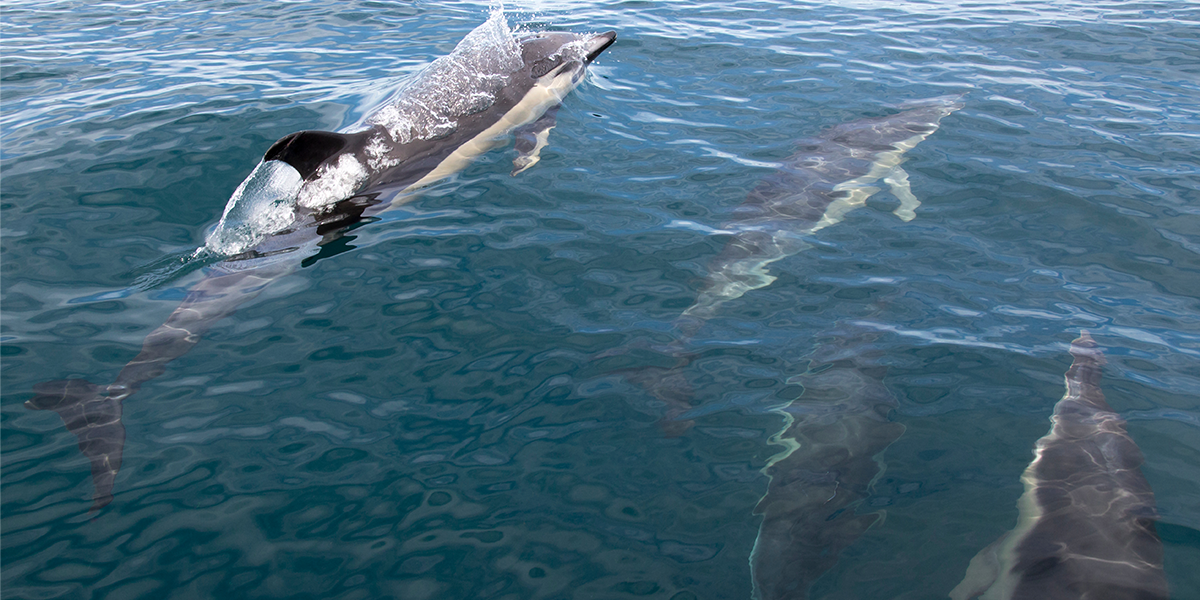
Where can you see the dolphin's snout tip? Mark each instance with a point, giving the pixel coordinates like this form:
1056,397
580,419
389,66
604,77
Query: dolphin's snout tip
599,43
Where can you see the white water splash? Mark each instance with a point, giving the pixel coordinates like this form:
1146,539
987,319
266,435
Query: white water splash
461,83
334,182
263,204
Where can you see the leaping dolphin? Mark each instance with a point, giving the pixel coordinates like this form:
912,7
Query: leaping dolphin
311,185
1086,525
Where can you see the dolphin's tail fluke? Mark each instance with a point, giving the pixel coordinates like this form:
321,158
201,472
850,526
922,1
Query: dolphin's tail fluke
93,412
94,417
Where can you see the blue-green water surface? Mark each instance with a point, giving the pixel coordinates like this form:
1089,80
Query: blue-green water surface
438,406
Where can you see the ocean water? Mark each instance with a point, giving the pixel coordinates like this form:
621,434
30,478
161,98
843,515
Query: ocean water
444,402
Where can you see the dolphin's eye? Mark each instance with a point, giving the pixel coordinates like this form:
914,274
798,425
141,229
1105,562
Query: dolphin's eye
545,65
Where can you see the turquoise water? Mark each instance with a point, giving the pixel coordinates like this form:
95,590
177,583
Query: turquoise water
440,406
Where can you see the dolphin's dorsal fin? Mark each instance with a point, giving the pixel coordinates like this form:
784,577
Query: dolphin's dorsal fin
306,150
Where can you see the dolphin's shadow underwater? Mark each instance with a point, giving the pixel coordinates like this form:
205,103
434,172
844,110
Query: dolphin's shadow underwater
311,186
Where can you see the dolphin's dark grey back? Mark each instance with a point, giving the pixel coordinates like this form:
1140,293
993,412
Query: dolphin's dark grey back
1086,528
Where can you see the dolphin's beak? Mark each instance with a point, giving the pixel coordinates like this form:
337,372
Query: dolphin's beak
597,44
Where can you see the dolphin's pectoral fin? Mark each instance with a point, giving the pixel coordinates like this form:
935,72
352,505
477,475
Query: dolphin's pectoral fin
306,150
897,181
983,571
95,419
531,139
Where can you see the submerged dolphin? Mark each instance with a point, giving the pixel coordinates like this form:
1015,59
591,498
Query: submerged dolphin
1086,525
311,185
826,178
833,436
